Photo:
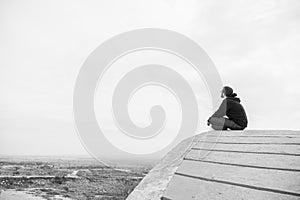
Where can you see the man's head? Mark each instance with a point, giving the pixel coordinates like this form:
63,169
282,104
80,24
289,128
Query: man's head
227,92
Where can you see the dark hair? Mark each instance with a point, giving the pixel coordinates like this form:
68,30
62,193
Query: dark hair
228,91
233,95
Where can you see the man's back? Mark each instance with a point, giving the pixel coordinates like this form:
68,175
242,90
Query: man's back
235,111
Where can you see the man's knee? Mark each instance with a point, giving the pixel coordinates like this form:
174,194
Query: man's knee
217,121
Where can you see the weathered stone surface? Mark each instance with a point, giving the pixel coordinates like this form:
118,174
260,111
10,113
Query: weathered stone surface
251,164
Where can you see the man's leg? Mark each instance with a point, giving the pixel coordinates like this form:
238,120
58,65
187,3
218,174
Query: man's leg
232,125
217,128
217,123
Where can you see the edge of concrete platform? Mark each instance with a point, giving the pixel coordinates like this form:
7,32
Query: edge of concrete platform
156,181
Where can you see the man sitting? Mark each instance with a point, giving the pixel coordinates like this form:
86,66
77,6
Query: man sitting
230,115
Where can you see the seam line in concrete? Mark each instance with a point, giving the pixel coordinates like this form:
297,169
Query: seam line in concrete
241,185
241,165
251,152
267,143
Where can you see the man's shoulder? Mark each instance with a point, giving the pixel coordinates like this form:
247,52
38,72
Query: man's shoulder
233,100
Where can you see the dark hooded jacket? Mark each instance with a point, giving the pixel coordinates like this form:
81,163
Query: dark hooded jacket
232,108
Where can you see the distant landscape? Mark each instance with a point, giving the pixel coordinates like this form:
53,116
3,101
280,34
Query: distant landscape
68,178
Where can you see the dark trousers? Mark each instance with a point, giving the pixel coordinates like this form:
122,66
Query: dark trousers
222,123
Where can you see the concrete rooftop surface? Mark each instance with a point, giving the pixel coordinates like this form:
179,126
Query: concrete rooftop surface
250,164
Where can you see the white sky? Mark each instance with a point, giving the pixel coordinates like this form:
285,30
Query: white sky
255,46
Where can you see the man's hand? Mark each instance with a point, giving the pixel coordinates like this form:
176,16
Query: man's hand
208,122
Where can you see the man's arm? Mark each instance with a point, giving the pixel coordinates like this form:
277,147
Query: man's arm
221,112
